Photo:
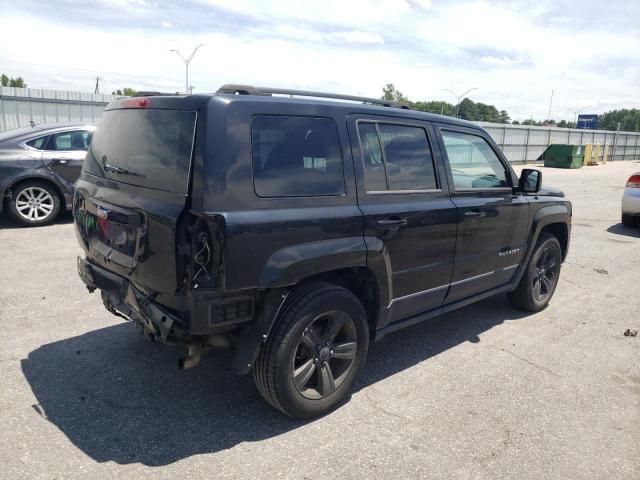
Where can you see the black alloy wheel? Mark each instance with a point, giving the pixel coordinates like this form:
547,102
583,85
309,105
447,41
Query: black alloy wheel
325,354
316,348
546,273
540,278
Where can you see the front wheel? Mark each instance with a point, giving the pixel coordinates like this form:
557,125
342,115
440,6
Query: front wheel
540,279
311,358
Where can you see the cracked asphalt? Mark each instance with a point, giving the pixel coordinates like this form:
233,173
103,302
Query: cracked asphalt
483,392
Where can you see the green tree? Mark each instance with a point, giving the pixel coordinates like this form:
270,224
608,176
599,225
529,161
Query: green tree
441,108
504,117
6,81
391,94
468,110
126,91
629,120
17,82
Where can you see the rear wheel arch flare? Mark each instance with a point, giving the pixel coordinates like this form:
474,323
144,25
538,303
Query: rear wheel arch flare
362,282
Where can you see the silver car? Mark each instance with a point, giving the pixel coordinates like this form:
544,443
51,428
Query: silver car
631,201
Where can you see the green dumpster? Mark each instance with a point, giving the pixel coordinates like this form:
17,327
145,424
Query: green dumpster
563,156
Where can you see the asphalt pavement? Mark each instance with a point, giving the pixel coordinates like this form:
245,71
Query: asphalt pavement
483,392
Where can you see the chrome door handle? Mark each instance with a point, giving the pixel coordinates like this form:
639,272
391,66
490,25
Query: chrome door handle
391,223
474,213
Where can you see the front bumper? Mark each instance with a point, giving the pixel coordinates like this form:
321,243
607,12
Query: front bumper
123,299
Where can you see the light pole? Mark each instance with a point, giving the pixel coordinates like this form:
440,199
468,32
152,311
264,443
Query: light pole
459,97
187,61
575,114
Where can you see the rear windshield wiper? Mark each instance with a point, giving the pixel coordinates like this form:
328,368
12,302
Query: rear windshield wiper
123,171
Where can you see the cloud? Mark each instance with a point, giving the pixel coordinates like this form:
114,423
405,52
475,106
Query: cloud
356,36
514,51
502,61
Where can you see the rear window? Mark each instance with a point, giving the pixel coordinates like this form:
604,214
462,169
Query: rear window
296,156
146,147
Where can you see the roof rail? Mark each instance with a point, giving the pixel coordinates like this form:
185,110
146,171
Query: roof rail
234,89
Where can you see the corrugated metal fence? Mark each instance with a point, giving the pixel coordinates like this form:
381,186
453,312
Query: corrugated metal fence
19,106
520,143
523,144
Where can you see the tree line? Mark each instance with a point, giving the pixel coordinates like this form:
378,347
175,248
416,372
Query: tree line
629,119
6,81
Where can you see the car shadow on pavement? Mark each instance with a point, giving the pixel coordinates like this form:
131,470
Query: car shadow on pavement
7,224
620,229
121,398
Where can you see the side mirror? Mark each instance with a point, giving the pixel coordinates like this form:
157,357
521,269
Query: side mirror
530,181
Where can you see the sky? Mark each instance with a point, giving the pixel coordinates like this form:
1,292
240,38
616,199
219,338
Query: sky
514,53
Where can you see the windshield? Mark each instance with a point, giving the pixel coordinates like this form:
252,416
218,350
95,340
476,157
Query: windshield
145,147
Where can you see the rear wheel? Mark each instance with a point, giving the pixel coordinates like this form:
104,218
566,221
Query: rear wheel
34,203
312,357
629,220
540,279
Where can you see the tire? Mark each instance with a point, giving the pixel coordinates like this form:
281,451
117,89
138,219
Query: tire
308,318
34,203
542,273
629,220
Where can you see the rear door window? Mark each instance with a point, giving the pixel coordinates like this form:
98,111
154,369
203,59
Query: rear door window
296,156
396,157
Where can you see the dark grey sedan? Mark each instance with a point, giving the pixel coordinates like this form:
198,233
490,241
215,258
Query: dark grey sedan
38,167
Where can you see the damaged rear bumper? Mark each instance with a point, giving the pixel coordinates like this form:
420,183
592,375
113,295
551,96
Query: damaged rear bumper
123,299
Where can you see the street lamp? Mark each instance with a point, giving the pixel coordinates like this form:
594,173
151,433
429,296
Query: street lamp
459,97
575,114
187,61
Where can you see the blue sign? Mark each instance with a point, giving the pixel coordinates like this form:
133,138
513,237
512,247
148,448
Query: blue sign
587,121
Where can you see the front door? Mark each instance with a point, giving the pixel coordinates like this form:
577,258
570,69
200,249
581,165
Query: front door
408,215
64,154
492,219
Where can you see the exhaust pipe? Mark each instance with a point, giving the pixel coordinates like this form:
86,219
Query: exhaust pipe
192,359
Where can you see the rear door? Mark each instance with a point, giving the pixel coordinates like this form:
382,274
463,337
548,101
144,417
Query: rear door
64,153
492,219
133,190
403,194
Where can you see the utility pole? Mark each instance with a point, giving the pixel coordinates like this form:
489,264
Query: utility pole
97,89
550,103
459,98
187,61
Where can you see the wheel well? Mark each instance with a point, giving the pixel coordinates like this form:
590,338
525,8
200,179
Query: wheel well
559,230
49,183
362,283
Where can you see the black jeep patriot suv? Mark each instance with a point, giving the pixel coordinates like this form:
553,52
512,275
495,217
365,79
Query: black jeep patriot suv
293,231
